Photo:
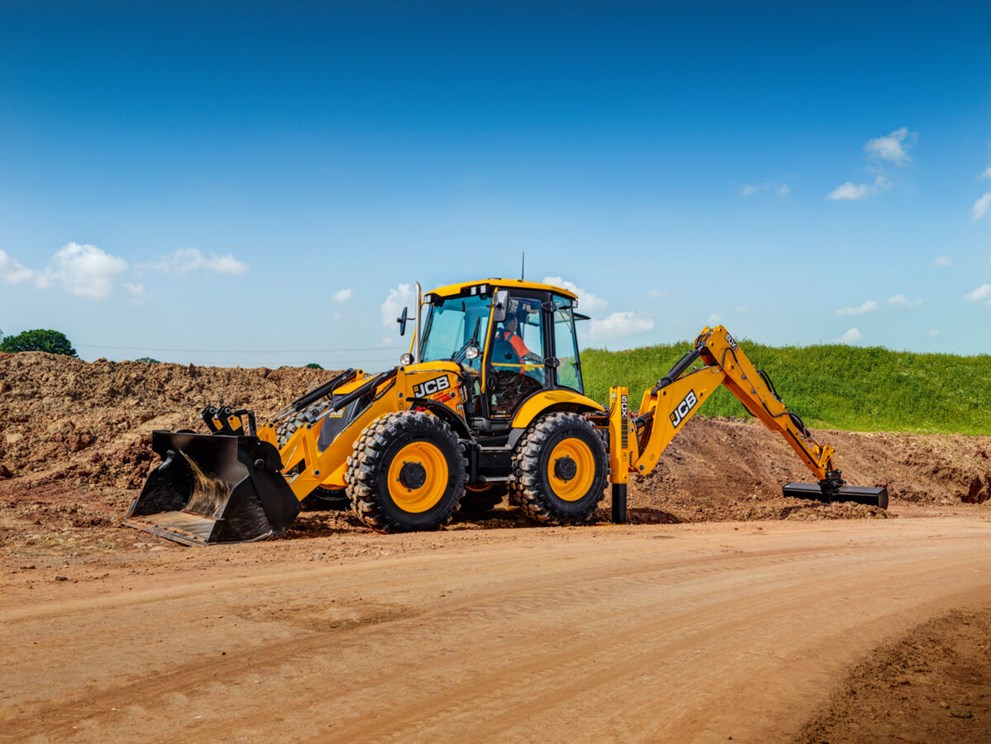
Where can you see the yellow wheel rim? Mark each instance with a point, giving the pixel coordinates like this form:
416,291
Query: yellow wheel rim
418,477
571,469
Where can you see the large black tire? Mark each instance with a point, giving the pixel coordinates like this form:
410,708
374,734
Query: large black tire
406,473
479,502
560,468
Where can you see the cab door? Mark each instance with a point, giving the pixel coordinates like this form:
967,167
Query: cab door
518,350
567,367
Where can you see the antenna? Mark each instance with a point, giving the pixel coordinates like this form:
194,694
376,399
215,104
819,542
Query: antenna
523,266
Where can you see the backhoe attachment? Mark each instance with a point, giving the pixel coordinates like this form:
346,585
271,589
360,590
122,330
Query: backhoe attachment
639,441
835,489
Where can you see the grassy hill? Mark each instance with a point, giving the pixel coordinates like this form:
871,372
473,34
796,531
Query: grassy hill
834,386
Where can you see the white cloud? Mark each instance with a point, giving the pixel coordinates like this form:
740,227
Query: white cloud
713,319
388,341
849,191
851,336
942,262
343,295
13,272
869,306
987,172
588,302
780,189
893,147
980,294
136,292
185,260
398,298
655,293
900,300
619,325
932,333
83,270
225,264
981,206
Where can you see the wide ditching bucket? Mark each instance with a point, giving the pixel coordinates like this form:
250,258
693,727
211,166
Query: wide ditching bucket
871,495
213,489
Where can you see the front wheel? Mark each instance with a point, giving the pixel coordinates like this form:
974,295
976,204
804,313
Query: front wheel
406,473
560,469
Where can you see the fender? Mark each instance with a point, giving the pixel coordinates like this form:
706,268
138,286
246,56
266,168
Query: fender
558,400
444,413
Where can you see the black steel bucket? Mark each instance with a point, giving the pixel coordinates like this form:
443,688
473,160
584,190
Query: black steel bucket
871,496
213,489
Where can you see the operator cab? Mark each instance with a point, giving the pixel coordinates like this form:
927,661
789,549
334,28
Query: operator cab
512,338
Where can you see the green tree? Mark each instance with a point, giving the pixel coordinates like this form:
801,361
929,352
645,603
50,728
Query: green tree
41,339
313,365
149,360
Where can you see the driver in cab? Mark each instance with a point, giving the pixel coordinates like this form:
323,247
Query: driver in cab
510,336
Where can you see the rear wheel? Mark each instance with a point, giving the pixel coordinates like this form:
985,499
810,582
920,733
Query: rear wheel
560,469
406,473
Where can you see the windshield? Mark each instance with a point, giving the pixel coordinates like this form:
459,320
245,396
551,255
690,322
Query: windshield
452,325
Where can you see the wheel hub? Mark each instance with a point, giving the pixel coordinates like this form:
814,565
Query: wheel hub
565,468
413,475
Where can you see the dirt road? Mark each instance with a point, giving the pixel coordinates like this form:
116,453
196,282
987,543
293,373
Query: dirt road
686,632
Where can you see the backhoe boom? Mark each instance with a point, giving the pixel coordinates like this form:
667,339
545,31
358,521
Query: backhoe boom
637,442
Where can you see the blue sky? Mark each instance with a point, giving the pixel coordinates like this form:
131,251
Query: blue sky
254,184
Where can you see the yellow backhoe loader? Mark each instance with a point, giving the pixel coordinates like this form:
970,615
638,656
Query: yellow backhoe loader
489,402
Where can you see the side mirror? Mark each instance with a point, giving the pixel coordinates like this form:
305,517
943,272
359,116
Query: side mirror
402,321
500,305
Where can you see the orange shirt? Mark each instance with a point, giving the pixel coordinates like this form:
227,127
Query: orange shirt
517,343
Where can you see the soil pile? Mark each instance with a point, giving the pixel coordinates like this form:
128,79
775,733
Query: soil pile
68,420
731,469
932,685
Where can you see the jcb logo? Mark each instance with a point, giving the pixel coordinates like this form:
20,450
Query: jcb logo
431,386
683,409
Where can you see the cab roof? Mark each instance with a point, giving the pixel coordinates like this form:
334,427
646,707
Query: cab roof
452,290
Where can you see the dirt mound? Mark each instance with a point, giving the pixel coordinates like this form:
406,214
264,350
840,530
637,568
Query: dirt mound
62,418
932,685
79,433
730,469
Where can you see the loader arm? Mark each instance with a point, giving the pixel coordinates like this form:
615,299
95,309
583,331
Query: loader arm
637,443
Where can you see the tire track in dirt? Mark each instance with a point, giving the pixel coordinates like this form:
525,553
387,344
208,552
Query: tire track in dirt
656,643
667,599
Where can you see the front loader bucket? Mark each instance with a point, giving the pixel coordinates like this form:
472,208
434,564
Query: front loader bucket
876,496
213,489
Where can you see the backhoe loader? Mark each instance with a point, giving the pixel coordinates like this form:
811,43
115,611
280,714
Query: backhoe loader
489,402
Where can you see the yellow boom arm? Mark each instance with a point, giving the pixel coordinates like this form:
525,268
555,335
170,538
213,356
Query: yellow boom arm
637,443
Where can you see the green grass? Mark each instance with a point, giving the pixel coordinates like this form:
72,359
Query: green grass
834,386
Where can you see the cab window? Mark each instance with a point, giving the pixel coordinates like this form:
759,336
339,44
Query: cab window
453,324
566,345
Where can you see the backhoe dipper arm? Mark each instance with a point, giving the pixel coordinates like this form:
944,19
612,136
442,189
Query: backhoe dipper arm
678,396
